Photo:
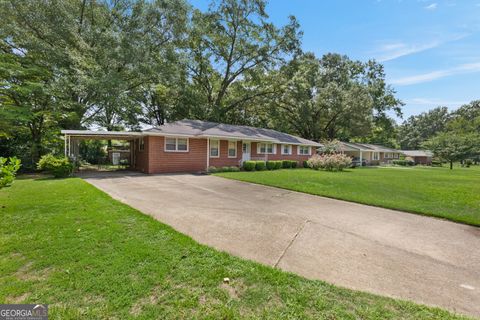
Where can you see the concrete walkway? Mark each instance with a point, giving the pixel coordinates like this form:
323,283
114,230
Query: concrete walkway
382,251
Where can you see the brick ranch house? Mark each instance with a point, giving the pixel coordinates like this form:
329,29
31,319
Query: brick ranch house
194,145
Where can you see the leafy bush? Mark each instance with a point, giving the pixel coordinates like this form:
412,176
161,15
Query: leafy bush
212,169
59,167
260,165
305,164
437,163
278,164
249,165
329,162
8,170
286,164
468,163
404,163
271,165
293,164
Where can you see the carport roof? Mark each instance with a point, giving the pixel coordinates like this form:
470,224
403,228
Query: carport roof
110,135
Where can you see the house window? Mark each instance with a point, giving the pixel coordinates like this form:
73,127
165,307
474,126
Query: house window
176,144
141,144
286,149
214,148
304,150
232,149
395,155
376,156
265,148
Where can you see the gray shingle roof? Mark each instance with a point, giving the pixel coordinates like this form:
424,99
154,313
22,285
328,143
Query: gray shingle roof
198,128
417,153
349,146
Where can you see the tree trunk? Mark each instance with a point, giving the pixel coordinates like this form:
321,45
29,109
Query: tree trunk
451,164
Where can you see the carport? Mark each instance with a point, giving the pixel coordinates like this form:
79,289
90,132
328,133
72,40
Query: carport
72,140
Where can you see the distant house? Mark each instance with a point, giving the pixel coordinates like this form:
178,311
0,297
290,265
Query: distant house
419,156
369,154
194,145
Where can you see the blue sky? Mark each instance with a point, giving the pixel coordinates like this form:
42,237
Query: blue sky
430,49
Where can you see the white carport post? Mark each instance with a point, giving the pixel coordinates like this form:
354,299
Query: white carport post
361,158
65,141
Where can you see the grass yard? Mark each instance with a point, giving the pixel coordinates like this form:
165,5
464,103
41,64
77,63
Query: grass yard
440,192
65,243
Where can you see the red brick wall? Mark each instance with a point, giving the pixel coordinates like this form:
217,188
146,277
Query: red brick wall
224,160
155,160
280,156
159,161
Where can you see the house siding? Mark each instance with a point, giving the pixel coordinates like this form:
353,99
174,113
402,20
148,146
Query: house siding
154,159
224,160
159,161
279,156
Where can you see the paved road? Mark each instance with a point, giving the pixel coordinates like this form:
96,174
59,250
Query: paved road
387,252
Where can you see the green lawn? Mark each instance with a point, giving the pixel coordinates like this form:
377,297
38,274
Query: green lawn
440,192
65,243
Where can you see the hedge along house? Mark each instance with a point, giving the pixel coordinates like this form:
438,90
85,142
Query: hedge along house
194,145
371,154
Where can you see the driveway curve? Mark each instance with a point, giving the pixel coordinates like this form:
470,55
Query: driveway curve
387,252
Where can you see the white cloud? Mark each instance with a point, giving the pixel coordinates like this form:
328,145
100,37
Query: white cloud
434,102
438,74
393,50
432,6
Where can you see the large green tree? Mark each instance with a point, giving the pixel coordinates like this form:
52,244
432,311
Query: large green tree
417,129
231,48
451,146
331,97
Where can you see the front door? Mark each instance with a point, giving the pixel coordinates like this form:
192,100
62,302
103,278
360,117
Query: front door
245,151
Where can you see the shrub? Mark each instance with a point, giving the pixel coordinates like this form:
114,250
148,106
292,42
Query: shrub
234,169
278,165
329,162
249,165
468,163
260,165
8,170
212,169
286,164
59,167
271,165
224,169
305,164
293,164
405,162
436,163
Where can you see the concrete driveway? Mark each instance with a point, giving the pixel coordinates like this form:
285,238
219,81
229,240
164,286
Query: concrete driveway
387,252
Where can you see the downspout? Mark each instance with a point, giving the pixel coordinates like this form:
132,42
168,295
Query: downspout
208,153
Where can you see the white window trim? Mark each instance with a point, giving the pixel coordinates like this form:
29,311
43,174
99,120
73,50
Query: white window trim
210,148
228,149
289,149
274,148
176,144
377,154
303,154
